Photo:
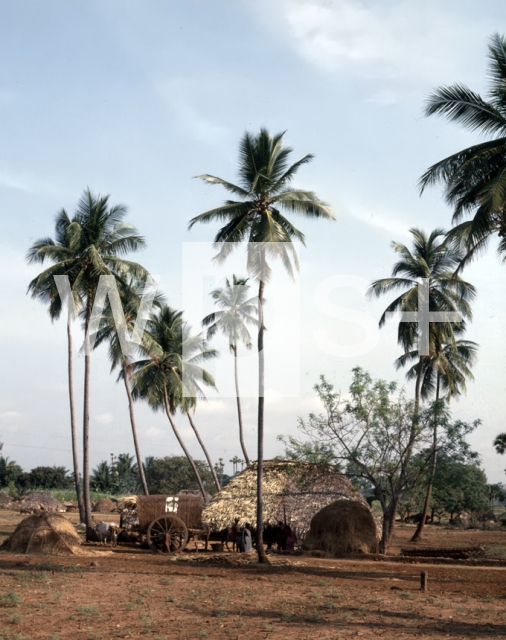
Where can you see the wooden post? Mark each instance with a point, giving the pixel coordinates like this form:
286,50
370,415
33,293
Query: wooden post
424,579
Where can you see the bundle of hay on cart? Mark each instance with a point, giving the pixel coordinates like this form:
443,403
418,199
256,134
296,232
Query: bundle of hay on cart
294,493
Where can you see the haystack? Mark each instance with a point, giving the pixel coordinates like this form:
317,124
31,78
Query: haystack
5,500
44,534
35,501
293,492
345,526
104,506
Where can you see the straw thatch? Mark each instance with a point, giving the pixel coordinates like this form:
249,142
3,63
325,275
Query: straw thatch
5,500
35,501
44,534
343,527
293,492
104,506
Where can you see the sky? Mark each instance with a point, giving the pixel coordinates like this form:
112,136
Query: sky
134,99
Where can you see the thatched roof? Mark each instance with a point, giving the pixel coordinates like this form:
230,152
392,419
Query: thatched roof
345,526
45,534
293,491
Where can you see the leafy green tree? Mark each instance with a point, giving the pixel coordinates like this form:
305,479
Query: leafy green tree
100,238
50,478
474,179
307,451
371,433
171,474
102,478
263,193
497,493
60,251
236,309
459,487
164,379
9,472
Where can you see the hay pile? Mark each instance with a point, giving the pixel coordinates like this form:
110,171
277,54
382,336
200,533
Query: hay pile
104,506
35,501
127,502
44,534
5,500
345,526
293,493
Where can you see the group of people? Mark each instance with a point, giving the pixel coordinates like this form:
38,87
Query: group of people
285,537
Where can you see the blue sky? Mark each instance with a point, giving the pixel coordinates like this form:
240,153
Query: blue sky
133,99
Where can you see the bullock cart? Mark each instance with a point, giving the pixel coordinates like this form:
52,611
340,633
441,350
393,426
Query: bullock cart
168,522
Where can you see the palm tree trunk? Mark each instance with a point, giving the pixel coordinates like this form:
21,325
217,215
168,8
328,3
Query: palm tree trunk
419,530
183,447
208,457
239,411
86,420
260,457
75,458
126,380
414,424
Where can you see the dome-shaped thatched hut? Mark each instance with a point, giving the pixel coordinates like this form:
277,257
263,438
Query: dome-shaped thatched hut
345,526
293,492
45,534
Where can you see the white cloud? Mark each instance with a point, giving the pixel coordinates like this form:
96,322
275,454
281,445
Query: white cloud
105,418
155,433
213,406
380,40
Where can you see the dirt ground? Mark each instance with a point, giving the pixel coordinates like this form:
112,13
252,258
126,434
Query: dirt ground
130,593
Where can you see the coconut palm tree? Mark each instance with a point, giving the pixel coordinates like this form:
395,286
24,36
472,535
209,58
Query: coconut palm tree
60,251
447,369
474,179
164,378
263,193
236,311
100,238
500,443
130,297
431,258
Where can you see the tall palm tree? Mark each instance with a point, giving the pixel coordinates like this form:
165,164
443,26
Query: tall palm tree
447,369
164,379
100,239
474,179
264,191
60,251
236,311
131,301
432,259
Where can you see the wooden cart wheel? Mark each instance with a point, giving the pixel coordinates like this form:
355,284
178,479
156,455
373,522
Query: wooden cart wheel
167,534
